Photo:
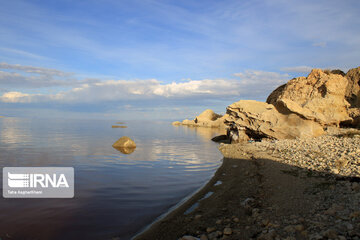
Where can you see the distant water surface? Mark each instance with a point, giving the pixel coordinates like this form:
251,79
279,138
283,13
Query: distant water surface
115,194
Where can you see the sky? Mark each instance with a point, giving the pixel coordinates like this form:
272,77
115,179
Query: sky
162,59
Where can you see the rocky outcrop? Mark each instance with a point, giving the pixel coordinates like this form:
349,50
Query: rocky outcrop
301,108
262,120
319,97
208,118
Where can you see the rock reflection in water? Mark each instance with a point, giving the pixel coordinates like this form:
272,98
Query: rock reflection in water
125,150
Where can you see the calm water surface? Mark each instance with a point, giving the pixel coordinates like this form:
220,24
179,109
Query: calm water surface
115,194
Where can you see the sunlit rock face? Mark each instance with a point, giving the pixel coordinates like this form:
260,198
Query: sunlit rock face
319,97
263,120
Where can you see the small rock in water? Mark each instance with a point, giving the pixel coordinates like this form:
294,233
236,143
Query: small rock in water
125,142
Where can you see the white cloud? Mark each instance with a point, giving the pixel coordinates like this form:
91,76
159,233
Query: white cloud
297,69
249,84
16,75
37,70
16,97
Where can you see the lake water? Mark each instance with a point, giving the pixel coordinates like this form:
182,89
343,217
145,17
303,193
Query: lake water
116,194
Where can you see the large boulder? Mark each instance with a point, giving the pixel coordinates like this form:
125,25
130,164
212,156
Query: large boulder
207,115
319,97
263,120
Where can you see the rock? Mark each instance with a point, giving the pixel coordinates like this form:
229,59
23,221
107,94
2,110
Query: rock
115,126
318,97
203,237
331,233
236,134
206,119
188,122
198,216
263,120
188,238
227,231
220,138
352,93
289,229
214,235
210,229
176,123
299,227
354,113
267,236
125,150
355,214
355,187
207,115
341,163
124,142
219,221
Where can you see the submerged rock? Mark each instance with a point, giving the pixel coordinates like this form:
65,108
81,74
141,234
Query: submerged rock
124,142
115,126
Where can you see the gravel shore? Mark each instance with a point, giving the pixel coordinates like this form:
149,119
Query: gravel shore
288,189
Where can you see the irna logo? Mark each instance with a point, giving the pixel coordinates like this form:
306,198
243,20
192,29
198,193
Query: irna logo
16,180
38,182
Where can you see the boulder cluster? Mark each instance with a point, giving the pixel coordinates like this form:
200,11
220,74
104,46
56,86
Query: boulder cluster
304,107
208,118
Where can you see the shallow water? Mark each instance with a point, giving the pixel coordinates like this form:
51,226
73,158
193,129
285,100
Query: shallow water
115,194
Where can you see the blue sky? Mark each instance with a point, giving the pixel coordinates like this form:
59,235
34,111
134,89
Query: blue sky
164,59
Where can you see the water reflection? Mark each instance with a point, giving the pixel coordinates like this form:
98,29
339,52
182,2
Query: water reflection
125,150
115,194
204,133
